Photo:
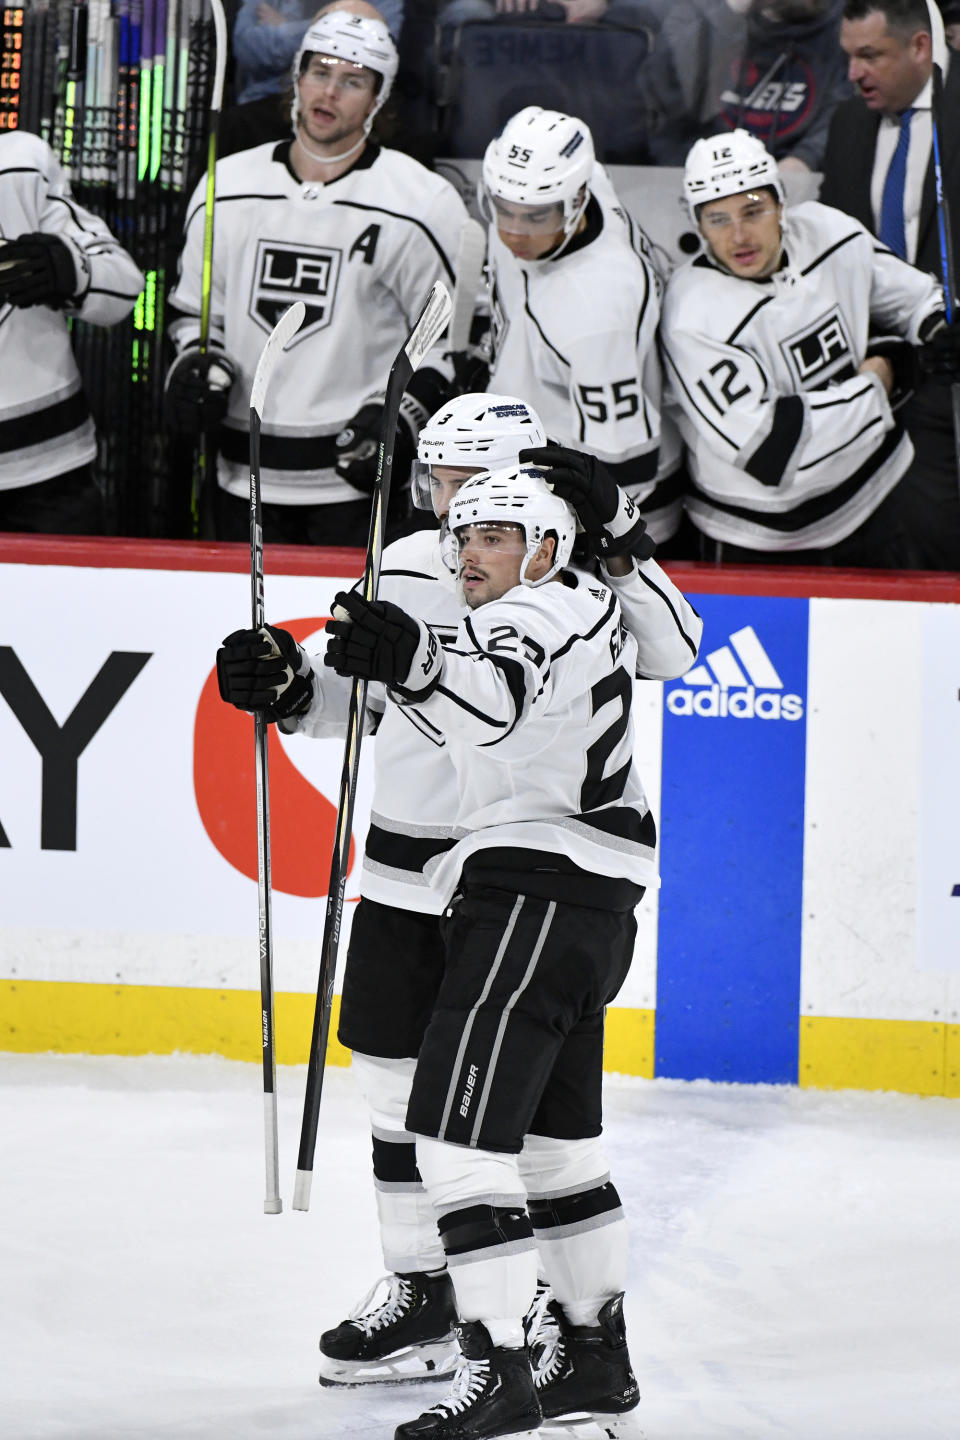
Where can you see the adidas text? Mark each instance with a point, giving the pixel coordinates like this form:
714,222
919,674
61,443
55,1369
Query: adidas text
748,704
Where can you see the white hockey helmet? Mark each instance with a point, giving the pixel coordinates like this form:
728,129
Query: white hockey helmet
482,430
728,165
518,495
357,38
541,157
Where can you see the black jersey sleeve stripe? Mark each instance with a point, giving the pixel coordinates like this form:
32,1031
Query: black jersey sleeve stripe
686,390
546,340
771,458
732,338
410,220
490,720
838,245
130,295
515,676
670,606
840,448
605,618
413,574
816,404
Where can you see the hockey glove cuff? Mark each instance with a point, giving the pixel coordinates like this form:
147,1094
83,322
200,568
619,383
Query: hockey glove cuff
198,391
940,348
903,359
265,670
376,640
358,443
610,519
37,269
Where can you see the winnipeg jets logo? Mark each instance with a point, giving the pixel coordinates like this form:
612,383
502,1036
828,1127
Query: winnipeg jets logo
819,352
284,273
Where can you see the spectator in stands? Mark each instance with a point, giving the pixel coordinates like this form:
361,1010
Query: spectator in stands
879,168
267,37
57,261
771,67
627,13
950,10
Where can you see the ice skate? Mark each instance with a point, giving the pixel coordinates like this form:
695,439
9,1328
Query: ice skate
408,1337
493,1395
585,1376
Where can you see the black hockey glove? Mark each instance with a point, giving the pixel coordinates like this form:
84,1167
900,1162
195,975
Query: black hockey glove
940,349
265,670
903,359
198,391
37,269
359,440
375,640
611,520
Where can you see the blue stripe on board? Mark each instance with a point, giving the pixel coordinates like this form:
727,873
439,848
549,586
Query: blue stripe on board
734,741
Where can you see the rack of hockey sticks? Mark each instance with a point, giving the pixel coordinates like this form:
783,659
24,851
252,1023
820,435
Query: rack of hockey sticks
120,89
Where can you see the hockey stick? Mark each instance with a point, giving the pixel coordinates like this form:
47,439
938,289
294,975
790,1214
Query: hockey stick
284,331
946,245
201,494
429,327
470,258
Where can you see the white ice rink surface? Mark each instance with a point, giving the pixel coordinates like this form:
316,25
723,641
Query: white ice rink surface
795,1258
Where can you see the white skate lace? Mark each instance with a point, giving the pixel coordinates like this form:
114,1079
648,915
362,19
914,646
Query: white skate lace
469,1383
399,1295
543,1337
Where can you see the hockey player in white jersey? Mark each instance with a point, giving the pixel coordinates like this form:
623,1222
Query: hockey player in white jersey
574,303
395,960
557,845
359,233
784,345
57,261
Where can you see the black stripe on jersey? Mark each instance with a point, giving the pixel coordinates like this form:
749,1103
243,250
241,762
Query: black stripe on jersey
772,456
421,723
624,822
403,852
844,399
471,709
514,674
21,170
638,471
852,441
44,424
693,400
731,339
819,505
280,452
526,305
669,604
575,1210
838,245
411,220
413,574
604,619
130,295
227,200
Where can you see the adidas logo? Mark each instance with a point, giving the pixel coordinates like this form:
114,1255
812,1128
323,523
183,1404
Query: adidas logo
739,680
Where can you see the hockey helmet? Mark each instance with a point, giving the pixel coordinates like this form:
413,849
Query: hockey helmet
518,495
541,157
357,38
725,165
481,430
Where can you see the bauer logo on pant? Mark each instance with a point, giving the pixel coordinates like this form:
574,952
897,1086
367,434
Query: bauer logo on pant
284,273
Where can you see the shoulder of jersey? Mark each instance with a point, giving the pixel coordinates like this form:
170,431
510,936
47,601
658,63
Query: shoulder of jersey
419,553
254,171
820,226
552,613
19,147
407,173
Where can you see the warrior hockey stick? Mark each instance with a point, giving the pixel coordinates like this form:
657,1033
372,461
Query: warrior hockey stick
200,499
470,258
946,245
427,330
284,330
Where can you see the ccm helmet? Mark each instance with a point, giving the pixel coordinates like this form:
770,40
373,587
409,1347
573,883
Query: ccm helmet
483,430
541,157
728,165
519,496
364,41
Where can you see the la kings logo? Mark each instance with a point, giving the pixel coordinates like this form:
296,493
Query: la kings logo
284,273
820,351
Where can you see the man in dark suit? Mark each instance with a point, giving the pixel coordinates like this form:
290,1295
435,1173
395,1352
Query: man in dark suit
879,168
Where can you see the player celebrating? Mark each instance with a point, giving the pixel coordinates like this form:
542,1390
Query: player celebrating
534,701
574,307
359,234
786,393
395,959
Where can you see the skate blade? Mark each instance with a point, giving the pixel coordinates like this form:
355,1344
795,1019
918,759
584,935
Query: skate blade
595,1426
417,1365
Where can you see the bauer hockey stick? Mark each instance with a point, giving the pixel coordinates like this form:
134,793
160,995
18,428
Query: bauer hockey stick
201,493
946,245
428,329
281,334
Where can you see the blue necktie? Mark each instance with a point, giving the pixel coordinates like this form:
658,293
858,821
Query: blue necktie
892,229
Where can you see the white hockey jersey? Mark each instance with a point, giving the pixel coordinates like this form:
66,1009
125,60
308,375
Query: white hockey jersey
361,252
575,335
415,793
535,702
789,447
45,425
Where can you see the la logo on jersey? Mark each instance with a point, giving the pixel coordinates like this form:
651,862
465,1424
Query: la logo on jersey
820,351
284,273
737,680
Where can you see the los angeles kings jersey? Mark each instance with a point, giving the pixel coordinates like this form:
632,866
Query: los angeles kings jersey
575,335
535,702
45,425
789,447
361,252
416,798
